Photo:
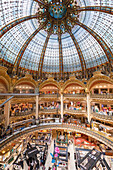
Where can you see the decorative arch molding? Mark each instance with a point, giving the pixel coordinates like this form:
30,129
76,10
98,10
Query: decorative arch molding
73,81
5,77
25,80
97,79
5,83
49,82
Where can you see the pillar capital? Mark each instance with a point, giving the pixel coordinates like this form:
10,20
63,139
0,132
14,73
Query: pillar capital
10,90
87,91
61,91
37,90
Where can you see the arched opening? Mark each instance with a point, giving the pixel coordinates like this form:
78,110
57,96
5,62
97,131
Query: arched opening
25,87
3,86
74,88
49,89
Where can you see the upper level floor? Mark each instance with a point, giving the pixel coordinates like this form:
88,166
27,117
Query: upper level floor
99,86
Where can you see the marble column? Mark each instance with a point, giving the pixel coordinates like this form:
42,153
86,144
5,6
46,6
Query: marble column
88,107
7,112
37,102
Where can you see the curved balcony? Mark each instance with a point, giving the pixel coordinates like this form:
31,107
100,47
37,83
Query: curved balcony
102,96
75,112
23,122
102,117
75,95
100,137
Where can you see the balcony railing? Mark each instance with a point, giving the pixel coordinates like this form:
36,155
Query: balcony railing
22,113
49,95
100,116
102,96
98,136
48,110
75,111
50,120
75,95
23,122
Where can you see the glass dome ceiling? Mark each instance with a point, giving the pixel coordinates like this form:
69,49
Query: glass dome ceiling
79,45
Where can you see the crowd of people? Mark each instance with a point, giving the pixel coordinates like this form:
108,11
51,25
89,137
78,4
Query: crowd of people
53,105
76,108
103,111
18,108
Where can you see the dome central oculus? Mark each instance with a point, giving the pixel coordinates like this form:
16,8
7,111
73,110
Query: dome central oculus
58,17
57,10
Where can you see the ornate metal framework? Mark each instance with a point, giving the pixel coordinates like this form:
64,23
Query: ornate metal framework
102,43
22,50
104,9
59,17
40,67
6,28
82,61
60,55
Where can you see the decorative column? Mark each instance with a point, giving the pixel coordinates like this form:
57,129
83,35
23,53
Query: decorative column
88,107
37,110
37,101
61,105
7,112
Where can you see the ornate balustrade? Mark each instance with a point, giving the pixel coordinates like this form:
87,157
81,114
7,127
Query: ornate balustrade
75,111
104,117
102,96
75,95
22,113
100,137
23,122
49,110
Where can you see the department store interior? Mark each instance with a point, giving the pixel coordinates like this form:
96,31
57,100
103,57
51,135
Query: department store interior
56,85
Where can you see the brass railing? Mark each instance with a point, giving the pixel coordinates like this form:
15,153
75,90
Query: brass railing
106,117
48,110
72,127
23,122
22,113
102,96
74,95
75,111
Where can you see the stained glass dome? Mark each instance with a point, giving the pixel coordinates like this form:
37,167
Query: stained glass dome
85,39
